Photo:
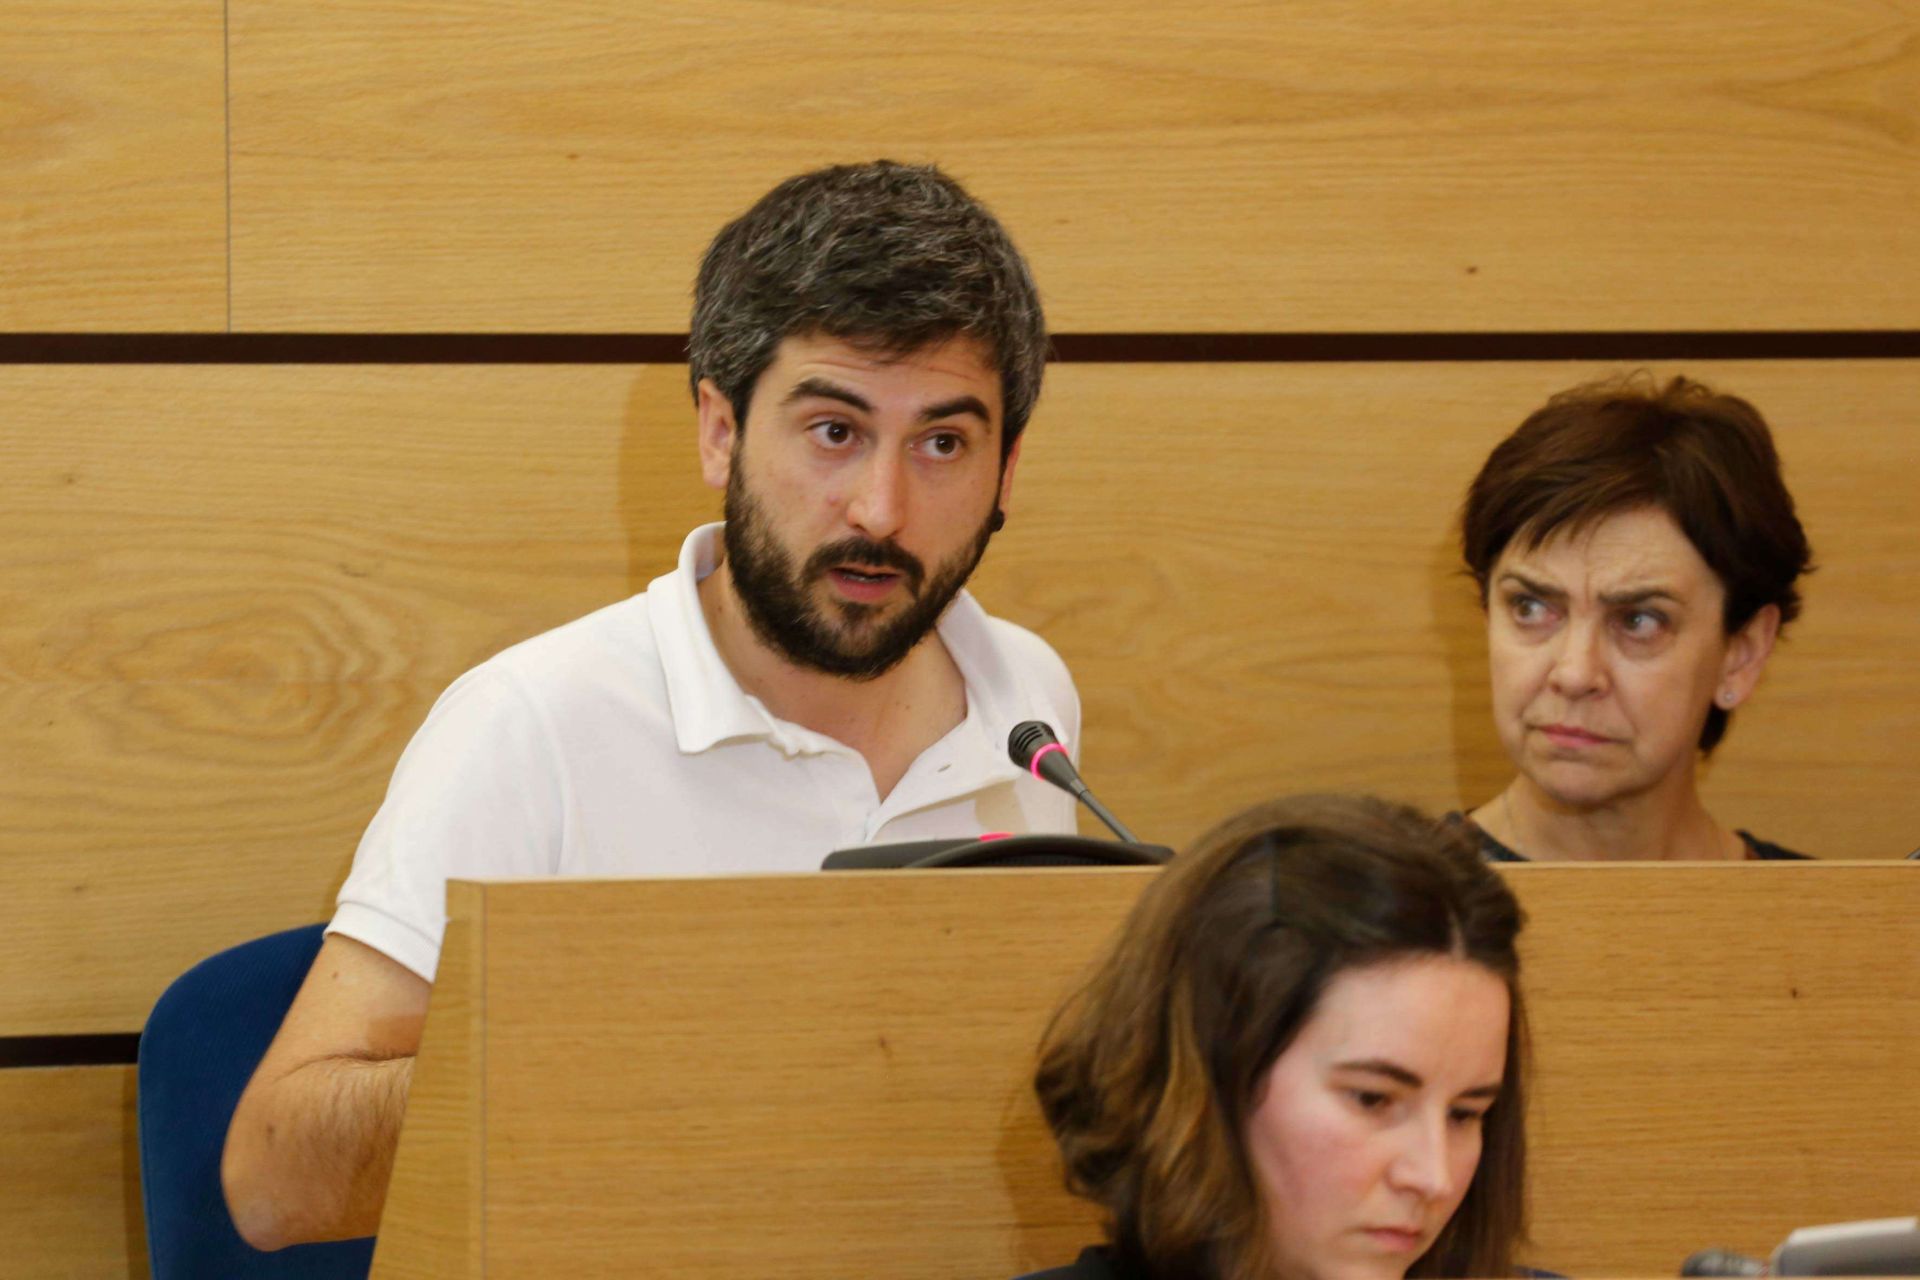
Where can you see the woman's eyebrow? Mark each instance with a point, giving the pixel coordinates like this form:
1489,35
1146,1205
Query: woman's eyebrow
1381,1067
1394,1071
1527,584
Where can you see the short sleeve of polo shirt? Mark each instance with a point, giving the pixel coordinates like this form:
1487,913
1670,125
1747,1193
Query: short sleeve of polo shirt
476,793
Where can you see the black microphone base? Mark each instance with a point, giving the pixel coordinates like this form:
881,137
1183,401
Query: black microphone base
1006,851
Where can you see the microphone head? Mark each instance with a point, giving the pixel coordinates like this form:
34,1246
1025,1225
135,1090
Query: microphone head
1026,740
1032,746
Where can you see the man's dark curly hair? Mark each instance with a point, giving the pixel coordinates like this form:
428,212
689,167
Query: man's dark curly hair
884,255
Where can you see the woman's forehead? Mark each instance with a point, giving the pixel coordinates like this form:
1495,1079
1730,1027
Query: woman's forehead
1626,549
1438,1017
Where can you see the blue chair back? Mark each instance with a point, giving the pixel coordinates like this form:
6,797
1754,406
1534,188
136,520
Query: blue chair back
202,1041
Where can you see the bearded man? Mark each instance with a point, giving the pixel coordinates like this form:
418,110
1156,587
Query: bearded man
866,348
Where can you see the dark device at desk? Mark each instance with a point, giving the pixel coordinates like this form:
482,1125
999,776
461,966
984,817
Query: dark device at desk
1033,746
1877,1247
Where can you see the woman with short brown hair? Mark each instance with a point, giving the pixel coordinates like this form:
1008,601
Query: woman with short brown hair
1637,553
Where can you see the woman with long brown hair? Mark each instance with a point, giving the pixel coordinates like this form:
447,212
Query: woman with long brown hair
1303,1058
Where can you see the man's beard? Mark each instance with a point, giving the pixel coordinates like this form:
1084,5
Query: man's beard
780,606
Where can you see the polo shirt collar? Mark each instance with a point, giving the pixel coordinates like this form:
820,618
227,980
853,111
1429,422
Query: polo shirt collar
999,696
707,704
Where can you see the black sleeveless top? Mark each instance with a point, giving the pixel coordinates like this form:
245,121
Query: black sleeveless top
1493,851
1099,1263
1103,1264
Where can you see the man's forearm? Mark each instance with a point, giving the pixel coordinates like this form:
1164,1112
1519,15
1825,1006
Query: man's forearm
309,1158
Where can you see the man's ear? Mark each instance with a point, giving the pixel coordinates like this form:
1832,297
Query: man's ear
718,431
1006,473
1747,653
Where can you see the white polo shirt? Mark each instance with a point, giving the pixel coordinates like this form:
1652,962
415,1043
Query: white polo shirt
621,745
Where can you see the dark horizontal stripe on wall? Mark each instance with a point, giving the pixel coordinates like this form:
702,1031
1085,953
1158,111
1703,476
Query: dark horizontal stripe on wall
1363,348
1075,348
69,1051
343,348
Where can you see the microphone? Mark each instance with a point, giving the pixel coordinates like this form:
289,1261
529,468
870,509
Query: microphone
1033,746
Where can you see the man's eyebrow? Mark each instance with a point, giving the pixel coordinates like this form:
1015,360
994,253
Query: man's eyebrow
818,388
1394,1071
822,389
958,405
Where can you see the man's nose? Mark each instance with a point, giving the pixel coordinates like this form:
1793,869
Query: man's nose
878,504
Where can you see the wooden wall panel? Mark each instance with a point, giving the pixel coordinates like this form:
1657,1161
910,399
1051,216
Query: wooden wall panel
229,597
1293,615
1219,166
230,594
70,1175
113,169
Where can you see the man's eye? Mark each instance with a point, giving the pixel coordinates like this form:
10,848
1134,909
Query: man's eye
832,432
946,444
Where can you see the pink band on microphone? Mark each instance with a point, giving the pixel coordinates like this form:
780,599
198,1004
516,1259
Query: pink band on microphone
1038,756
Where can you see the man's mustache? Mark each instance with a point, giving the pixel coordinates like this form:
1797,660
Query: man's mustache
856,550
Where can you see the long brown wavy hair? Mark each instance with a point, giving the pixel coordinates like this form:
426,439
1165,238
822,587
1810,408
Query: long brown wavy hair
1148,1073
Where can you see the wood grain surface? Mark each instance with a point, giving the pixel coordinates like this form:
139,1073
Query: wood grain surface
1225,165
229,595
70,1175
220,631
823,1076
1293,614
113,165
432,1227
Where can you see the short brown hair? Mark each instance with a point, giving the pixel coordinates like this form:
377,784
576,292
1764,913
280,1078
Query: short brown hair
1705,458
1147,1074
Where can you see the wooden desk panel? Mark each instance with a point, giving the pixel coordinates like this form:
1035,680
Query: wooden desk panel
434,1225
1220,166
1720,1057
113,193
822,1076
